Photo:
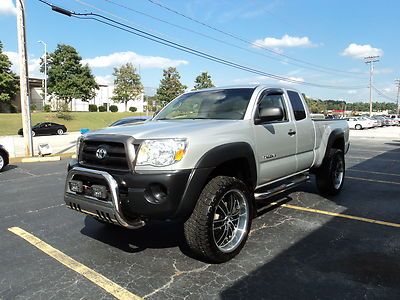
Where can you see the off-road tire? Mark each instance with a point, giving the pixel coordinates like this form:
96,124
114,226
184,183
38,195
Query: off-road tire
198,229
327,172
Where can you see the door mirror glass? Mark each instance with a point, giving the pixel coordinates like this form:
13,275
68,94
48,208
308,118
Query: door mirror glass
270,114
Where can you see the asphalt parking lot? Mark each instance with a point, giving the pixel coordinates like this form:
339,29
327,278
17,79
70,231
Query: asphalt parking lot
301,246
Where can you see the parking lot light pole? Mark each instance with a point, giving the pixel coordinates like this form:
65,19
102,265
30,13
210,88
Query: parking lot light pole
45,72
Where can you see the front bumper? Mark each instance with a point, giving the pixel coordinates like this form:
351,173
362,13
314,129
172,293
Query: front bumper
110,210
132,197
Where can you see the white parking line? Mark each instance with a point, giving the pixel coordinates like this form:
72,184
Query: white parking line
372,172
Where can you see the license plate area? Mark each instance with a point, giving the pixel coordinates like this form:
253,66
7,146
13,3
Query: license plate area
94,187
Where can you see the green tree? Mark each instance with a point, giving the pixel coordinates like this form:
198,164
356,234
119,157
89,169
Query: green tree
8,79
170,86
127,84
68,78
203,81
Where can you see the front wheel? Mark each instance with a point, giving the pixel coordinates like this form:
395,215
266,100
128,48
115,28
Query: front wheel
220,223
60,131
358,127
330,175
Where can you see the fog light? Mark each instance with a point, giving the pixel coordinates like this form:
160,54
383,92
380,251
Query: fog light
76,186
99,191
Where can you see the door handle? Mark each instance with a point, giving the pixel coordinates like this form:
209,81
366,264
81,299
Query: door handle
291,132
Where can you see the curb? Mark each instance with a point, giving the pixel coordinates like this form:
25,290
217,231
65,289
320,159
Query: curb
41,158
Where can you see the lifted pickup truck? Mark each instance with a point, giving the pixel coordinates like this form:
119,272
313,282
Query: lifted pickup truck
205,160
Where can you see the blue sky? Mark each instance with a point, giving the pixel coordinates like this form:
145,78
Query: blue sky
328,34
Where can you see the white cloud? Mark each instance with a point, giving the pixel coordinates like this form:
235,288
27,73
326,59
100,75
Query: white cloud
351,92
104,80
7,7
361,51
285,41
120,58
33,64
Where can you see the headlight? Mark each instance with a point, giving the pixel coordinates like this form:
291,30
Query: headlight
161,153
78,145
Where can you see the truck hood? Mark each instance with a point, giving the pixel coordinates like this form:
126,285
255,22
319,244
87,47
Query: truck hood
171,128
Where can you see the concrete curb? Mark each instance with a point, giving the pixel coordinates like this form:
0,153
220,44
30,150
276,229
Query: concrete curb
58,157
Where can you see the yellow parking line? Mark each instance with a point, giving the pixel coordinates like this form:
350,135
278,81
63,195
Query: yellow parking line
114,289
333,214
372,180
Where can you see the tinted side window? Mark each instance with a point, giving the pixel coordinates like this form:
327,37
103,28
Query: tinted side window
298,107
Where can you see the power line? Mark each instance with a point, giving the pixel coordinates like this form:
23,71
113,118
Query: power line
370,60
382,94
257,45
212,38
113,23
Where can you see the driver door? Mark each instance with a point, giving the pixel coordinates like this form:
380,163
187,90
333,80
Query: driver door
275,140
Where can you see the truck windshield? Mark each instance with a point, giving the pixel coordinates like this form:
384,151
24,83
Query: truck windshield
229,104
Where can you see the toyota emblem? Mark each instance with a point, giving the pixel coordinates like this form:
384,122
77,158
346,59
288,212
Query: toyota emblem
101,153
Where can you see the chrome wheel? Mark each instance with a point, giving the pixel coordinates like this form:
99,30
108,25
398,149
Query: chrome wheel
230,220
338,174
1,162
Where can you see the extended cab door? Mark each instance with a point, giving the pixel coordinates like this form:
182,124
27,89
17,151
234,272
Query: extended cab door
305,131
275,141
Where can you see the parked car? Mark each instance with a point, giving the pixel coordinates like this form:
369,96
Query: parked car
380,120
205,160
359,123
46,128
130,120
4,157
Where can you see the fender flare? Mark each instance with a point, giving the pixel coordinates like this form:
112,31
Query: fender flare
206,165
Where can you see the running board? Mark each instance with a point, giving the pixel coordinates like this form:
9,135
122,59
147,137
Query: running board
282,188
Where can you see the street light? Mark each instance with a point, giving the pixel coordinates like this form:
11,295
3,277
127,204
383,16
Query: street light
45,72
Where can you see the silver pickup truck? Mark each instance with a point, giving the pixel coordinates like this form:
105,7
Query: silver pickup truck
205,160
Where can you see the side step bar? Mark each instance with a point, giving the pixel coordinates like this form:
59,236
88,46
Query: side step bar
295,181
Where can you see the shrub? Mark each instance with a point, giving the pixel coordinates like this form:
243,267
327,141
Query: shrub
132,109
64,115
102,108
33,107
92,107
113,108
47,108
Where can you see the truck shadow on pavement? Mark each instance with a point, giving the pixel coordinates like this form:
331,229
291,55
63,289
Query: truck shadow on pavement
325,257
157,235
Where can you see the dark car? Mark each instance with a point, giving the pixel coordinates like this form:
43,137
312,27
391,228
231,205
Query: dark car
4,158
46,128
130,120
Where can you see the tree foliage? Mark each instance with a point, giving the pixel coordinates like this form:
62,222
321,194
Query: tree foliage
8,79
170,86
127,84
203,81
68,78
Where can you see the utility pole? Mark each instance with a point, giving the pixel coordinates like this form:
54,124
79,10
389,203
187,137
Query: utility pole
371,60
397,81
24,78
45,71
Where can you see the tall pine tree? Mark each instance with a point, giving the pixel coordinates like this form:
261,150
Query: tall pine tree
203,81
170,86
127,84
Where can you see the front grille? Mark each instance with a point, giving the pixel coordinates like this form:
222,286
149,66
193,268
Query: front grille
116,157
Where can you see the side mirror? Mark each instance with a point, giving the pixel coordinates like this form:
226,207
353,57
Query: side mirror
269,114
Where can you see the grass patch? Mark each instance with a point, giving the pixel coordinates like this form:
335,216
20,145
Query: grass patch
10,123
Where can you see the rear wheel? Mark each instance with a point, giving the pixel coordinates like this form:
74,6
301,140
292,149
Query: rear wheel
330,175
220,223
60,131
2,161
